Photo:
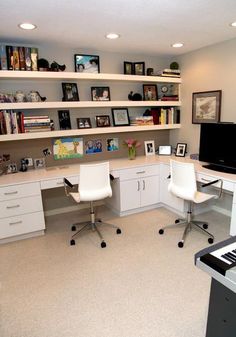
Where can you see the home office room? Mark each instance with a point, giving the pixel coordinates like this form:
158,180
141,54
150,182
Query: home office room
117,169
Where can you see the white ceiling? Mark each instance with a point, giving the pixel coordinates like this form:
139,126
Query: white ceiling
146,26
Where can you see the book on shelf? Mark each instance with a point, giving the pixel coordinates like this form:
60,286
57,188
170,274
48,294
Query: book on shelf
28,63
3,58
167,115
16,59
170,98
34,59
9,52
22,57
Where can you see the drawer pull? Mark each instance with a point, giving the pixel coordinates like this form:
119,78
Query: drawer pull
9,193
15,223
14,206
144,186
140,172
138,185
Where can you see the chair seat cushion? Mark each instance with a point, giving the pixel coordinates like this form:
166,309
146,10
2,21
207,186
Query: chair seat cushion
75,196
200,197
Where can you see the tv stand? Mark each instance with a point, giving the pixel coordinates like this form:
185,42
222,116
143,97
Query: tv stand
219,168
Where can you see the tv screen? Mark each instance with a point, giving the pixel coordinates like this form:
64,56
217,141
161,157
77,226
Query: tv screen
217,146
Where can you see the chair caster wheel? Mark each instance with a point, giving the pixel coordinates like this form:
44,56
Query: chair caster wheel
210,240
72,242
118,231
180,244
161,231
73,228
177,221
205,226
103,244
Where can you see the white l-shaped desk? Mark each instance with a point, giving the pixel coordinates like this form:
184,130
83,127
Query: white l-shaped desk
140,184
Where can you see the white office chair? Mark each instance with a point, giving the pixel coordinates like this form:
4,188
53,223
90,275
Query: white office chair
94,184
183,185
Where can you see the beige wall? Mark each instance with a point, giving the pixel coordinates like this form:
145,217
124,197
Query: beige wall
207,69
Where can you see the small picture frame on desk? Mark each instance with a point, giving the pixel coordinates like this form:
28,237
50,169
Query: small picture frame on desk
181,150
149,146
11,168
39,163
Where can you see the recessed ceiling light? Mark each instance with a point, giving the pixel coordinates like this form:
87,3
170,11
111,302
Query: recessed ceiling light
177,45
233,24
112,36
27,26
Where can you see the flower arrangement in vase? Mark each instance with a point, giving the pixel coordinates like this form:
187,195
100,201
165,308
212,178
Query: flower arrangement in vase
131,144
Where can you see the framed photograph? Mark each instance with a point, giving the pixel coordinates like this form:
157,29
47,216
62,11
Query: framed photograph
93,146
112,144
206,107
70,92
120,116
128,68
164,150
11,168
64,119
150,92
100,93
102,121
181,150
139,68
84,123
149,147
87,63
39,163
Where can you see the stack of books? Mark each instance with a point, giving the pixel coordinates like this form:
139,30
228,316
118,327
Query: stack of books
18,58
11,122
36,124
171,73
141,120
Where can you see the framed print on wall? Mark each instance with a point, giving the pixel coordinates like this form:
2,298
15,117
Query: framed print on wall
87,63
206,107
120,117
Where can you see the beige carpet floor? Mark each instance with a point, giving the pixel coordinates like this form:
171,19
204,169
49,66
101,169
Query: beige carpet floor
140,285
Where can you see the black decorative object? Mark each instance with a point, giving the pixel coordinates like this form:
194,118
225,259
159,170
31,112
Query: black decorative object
57,67
43,65
134,97
150,72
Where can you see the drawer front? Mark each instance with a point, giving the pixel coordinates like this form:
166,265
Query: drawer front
139,172
18,191
20,206
58,182
21,224
204,179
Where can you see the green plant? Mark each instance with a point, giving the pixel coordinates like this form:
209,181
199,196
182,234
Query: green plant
174,66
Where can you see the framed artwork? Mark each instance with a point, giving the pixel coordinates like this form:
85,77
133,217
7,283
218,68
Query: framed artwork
39,163
102,121
164,150
67,148
149,147
84,123
11,168
150,92
100,93
93,146
181,150
64,119
120,116
206,107
70,92
112,144
128,68
139,68
87,63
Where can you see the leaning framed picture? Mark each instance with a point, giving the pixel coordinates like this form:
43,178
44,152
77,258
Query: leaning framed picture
139,68
102,121
206,107
100,93
128,68
70,92
120,116
181,149
84,123
87,63
150,92
149,147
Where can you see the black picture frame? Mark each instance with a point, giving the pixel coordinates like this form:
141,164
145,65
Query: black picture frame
150,92
120,117
128,68
139,68
181,150
87,63
84,123
100,94
102,121
70,92
64,119
206,106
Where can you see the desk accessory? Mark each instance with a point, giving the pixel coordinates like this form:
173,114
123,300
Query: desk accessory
164,150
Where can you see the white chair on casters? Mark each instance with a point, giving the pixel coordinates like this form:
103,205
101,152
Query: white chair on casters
94,184
183,185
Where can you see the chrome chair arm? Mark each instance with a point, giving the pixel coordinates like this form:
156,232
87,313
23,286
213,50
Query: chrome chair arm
214,182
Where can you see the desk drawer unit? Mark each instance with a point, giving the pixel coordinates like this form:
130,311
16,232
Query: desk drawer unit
19,191
21,206
139,172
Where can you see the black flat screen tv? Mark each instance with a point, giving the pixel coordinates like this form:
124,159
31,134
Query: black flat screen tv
218,146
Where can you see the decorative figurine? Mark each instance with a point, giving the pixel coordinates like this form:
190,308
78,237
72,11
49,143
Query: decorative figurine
134,97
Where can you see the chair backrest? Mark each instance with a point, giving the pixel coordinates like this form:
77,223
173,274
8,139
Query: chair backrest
183,180
94,181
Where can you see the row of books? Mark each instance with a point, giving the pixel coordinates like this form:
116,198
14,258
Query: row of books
12,122
18,58
167,115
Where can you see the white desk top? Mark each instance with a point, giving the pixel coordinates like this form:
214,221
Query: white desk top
115,165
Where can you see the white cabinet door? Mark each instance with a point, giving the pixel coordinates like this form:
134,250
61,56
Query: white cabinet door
149,191
129,194
166,197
